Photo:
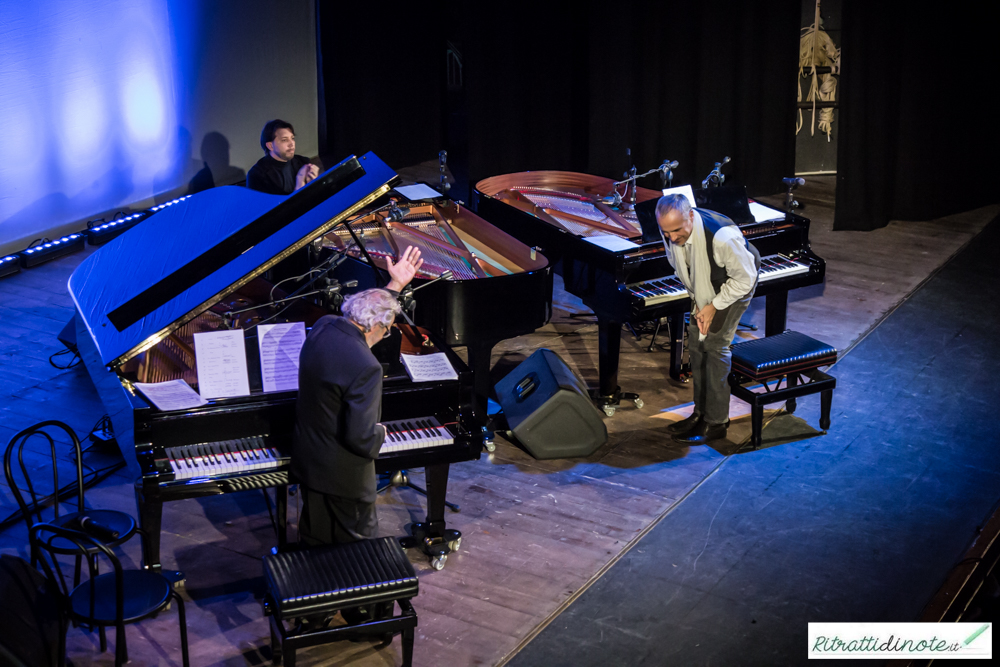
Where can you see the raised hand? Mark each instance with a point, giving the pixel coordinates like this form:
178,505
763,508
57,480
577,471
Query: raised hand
402,272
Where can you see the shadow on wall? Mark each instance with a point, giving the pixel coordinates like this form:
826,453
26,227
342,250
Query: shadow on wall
217,170
116,184
196,175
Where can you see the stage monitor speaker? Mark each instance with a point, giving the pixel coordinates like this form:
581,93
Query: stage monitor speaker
549,409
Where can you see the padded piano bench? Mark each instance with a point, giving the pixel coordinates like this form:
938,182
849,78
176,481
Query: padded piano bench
306,586
789,355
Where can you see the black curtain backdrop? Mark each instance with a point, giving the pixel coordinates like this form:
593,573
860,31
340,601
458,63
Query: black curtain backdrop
916,138
382,78
568,85
572,85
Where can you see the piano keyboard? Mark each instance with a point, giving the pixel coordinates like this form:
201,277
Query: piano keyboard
420,433
225,457
661,290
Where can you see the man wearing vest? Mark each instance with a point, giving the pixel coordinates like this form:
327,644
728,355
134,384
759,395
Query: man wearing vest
719,269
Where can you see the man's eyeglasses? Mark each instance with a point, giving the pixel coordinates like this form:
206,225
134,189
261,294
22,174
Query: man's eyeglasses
388,332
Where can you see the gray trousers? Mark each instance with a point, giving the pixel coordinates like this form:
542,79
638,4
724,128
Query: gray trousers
711,361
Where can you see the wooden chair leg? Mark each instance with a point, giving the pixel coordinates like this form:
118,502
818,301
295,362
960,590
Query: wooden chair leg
790,383
407,647
275,645
184,632
121,650
826,402
757,420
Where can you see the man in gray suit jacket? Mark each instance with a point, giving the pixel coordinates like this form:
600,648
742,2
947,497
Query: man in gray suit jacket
337,435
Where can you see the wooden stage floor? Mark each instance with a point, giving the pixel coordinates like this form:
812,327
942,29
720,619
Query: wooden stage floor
537,534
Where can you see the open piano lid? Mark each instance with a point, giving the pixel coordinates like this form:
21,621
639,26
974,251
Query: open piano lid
136,290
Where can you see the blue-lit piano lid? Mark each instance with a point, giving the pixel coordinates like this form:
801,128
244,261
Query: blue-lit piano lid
137,289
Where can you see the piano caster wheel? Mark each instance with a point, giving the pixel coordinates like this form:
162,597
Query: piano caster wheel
639,403
609,410
455,544
438,563
490,446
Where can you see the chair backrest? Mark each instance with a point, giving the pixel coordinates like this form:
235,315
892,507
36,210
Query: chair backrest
42,536
32,512
32,622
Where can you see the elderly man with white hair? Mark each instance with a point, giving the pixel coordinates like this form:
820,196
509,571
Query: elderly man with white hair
337,436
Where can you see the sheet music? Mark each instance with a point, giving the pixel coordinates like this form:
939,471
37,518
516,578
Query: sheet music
429,367
280,345
171,395
610,242
763,213
222,364
685,190
418,192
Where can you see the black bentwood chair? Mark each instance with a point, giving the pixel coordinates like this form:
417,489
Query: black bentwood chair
111,527
115,598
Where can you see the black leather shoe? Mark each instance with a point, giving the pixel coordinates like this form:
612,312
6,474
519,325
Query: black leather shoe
703,433
684,425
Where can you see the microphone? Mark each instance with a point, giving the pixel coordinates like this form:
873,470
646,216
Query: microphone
793,181
397,213
613,199
667,172
98,530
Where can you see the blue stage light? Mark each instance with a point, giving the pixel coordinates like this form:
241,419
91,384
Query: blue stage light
101,234
9,264
164,205
51,250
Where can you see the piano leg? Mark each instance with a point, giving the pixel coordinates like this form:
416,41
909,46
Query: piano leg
609,342
676,325
150,520
432,536
281,508
479,362
775,312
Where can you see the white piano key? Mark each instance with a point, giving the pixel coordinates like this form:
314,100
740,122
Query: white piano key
223,457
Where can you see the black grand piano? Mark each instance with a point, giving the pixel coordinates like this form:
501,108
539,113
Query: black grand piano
474,308
141,298
623,277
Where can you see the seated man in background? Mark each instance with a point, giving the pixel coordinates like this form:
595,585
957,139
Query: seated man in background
280,171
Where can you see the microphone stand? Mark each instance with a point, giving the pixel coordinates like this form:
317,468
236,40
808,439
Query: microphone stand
792,183
715,177
665,171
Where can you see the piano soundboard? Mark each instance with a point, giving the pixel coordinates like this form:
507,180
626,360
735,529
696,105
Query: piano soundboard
670,288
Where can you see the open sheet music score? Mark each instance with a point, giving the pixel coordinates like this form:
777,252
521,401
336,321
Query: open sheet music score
429,367
221,360
280,346
171,395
